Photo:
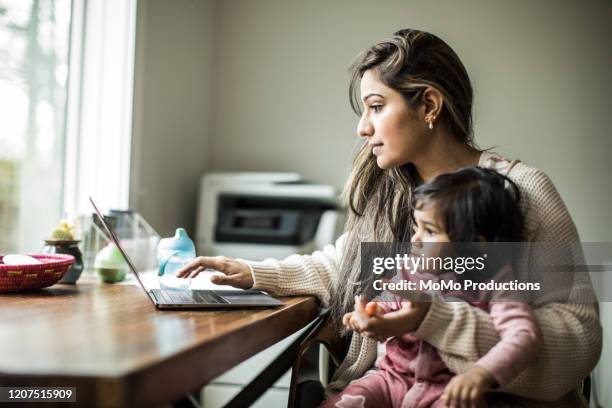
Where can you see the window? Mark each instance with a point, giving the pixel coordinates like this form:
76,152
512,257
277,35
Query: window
66,74
99,127
34,38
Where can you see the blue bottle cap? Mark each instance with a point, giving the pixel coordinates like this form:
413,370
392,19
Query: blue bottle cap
179,242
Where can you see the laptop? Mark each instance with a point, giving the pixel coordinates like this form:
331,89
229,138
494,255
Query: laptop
194,299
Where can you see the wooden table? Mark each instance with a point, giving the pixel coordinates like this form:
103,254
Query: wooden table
110,342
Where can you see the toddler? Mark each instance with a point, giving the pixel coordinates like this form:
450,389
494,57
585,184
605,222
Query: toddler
471,205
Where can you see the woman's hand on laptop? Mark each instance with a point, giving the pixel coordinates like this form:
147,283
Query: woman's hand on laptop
236,273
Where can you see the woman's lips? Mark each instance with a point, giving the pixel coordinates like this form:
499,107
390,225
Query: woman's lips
376,148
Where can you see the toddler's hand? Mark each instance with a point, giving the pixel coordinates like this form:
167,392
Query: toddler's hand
347,321
383,324
372,309
466,390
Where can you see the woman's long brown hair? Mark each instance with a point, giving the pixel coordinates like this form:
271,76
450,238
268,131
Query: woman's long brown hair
379,201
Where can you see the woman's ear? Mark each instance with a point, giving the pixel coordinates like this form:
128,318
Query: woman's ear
432,102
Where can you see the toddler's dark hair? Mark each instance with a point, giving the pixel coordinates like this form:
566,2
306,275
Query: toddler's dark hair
474,203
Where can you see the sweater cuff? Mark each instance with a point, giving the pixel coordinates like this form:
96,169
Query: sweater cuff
265,276
433,327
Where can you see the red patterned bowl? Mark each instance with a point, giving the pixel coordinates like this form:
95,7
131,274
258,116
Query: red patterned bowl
14,278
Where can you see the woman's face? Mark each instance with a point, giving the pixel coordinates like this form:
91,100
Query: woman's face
394,130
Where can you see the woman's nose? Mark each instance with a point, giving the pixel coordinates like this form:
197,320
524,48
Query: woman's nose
364,127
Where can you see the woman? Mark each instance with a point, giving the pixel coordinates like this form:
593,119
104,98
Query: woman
417,124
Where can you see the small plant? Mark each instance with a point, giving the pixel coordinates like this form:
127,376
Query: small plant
64,232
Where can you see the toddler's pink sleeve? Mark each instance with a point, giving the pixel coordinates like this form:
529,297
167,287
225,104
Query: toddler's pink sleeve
520,343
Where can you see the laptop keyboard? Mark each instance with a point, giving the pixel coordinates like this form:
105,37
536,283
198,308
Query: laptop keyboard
188,296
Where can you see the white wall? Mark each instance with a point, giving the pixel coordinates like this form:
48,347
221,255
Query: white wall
540,73
262,85
172,115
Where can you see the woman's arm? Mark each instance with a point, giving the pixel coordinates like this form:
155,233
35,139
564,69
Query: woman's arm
571,343
300,274
571,332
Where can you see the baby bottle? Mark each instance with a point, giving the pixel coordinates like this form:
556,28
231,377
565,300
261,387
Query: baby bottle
172,254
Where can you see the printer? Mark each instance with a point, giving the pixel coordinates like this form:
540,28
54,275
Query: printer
261,215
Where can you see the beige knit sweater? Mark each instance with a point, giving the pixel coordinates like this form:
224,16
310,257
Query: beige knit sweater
462,334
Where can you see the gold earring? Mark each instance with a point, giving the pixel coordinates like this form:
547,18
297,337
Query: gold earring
430,120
